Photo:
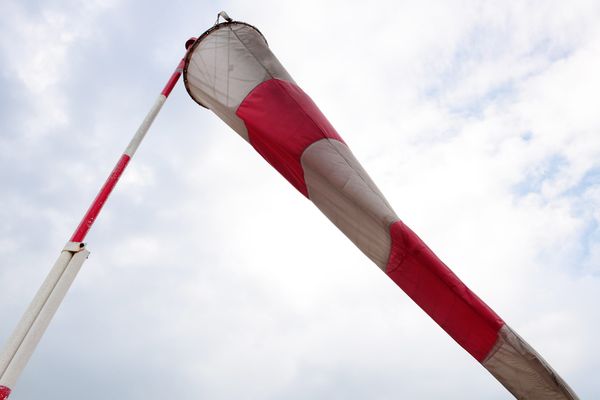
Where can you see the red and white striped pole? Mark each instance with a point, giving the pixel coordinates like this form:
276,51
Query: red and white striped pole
34,322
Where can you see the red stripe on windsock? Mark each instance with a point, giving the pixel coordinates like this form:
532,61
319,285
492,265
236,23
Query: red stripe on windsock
282,121
444,297
94,210
4,392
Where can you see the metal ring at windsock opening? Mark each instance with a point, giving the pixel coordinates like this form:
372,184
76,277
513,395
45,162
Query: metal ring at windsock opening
199,40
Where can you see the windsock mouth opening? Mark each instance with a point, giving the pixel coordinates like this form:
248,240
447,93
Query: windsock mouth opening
193,45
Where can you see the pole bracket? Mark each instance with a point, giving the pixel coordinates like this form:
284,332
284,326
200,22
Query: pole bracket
74,247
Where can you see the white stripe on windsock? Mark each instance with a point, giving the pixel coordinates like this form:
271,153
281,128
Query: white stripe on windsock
341,188
233,73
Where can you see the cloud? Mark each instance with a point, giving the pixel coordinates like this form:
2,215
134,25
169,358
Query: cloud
211,277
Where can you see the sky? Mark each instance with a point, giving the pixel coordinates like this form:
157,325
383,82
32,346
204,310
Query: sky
210,277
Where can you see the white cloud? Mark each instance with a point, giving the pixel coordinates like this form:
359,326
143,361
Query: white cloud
211,277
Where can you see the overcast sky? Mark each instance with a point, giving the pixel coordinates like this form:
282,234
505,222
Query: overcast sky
210,277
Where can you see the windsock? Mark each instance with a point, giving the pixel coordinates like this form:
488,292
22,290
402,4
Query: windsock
231,71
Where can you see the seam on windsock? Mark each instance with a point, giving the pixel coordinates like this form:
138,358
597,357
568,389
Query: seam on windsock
375,189
357,205
205,75
496,346
253,55
228,53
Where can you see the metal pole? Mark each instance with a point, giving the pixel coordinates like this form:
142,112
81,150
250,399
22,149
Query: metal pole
91,214
36,318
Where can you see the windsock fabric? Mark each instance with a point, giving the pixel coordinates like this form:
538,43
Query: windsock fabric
231,71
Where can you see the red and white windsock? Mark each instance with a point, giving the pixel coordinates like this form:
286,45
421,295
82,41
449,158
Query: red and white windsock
231,71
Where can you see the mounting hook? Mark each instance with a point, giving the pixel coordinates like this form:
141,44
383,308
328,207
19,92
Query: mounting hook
225,17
